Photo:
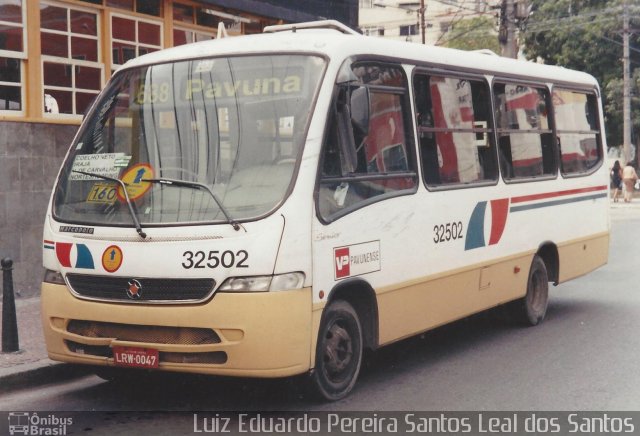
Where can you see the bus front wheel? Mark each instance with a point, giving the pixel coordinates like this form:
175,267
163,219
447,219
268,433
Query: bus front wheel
532,309
338,353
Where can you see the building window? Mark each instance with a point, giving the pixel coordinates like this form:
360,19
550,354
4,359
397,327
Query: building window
11,26
201,20
409,30
12,53
10,84
132,37
193,24
149,7
373,31
187,36
183,13
72,71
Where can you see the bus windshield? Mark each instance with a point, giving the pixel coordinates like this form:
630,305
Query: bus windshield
197,141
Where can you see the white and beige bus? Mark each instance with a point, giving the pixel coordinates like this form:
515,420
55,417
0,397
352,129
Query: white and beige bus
274,204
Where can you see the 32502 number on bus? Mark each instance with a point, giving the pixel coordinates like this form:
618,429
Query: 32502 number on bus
215,258
447,232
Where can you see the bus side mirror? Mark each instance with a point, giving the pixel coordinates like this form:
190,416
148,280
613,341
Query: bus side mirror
360,109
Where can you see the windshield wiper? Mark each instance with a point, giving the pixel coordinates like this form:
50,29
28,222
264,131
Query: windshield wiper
123,185
197,185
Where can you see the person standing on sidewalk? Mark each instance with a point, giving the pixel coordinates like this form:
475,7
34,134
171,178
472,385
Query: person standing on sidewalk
629,178
616,180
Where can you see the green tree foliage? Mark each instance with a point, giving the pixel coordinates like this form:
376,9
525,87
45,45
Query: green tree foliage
586,35
473,34
612,93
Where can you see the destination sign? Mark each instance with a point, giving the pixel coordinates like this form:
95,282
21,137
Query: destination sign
253,84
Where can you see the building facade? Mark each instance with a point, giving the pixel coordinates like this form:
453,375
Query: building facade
400,19
55,57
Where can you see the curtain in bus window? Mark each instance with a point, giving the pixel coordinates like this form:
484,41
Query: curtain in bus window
453,110
576,123
526,144
382,151
384,147
454,127
526,149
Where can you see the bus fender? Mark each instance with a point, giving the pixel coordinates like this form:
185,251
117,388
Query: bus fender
548,252
362,297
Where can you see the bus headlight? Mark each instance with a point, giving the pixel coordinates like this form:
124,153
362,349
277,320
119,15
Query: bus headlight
280,282
53,277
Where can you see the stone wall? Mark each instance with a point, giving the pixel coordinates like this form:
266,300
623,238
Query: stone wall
30,157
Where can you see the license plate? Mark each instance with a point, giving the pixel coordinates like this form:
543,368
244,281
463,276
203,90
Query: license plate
136,357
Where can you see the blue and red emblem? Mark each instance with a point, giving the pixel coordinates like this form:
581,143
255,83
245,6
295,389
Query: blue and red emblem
74,255
476,229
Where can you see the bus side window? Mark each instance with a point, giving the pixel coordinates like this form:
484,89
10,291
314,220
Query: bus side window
428,148
526,144
576,117
506,160
454,129
385,163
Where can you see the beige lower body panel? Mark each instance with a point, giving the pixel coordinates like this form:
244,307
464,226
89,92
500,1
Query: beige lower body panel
424,304
261,334
580,257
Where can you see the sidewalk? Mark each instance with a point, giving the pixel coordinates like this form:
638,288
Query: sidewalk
622,206
31,366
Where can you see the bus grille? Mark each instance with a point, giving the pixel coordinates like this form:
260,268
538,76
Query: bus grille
151,289
144,333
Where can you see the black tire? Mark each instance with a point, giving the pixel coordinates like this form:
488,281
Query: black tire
338,352
532,308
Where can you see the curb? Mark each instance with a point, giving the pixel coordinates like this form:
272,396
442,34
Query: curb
39,373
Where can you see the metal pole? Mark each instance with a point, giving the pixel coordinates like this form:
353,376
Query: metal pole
626,92
9,321
422,21
507,33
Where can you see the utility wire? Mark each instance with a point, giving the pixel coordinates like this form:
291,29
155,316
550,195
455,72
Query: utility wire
468,31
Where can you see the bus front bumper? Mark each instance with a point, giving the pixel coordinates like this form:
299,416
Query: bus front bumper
260,334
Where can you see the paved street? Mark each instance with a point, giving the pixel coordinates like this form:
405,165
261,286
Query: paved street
583,357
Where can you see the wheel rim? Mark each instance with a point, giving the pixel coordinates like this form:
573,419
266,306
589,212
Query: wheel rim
338,352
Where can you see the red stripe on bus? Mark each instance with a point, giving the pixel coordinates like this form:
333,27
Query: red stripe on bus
499,212
63,252
542,196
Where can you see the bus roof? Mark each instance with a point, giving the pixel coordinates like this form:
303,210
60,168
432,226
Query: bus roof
338,45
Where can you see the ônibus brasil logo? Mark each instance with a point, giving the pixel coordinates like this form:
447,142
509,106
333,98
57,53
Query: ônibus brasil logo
33,424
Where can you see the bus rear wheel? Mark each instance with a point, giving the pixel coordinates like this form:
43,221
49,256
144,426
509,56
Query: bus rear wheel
532,308
338,353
